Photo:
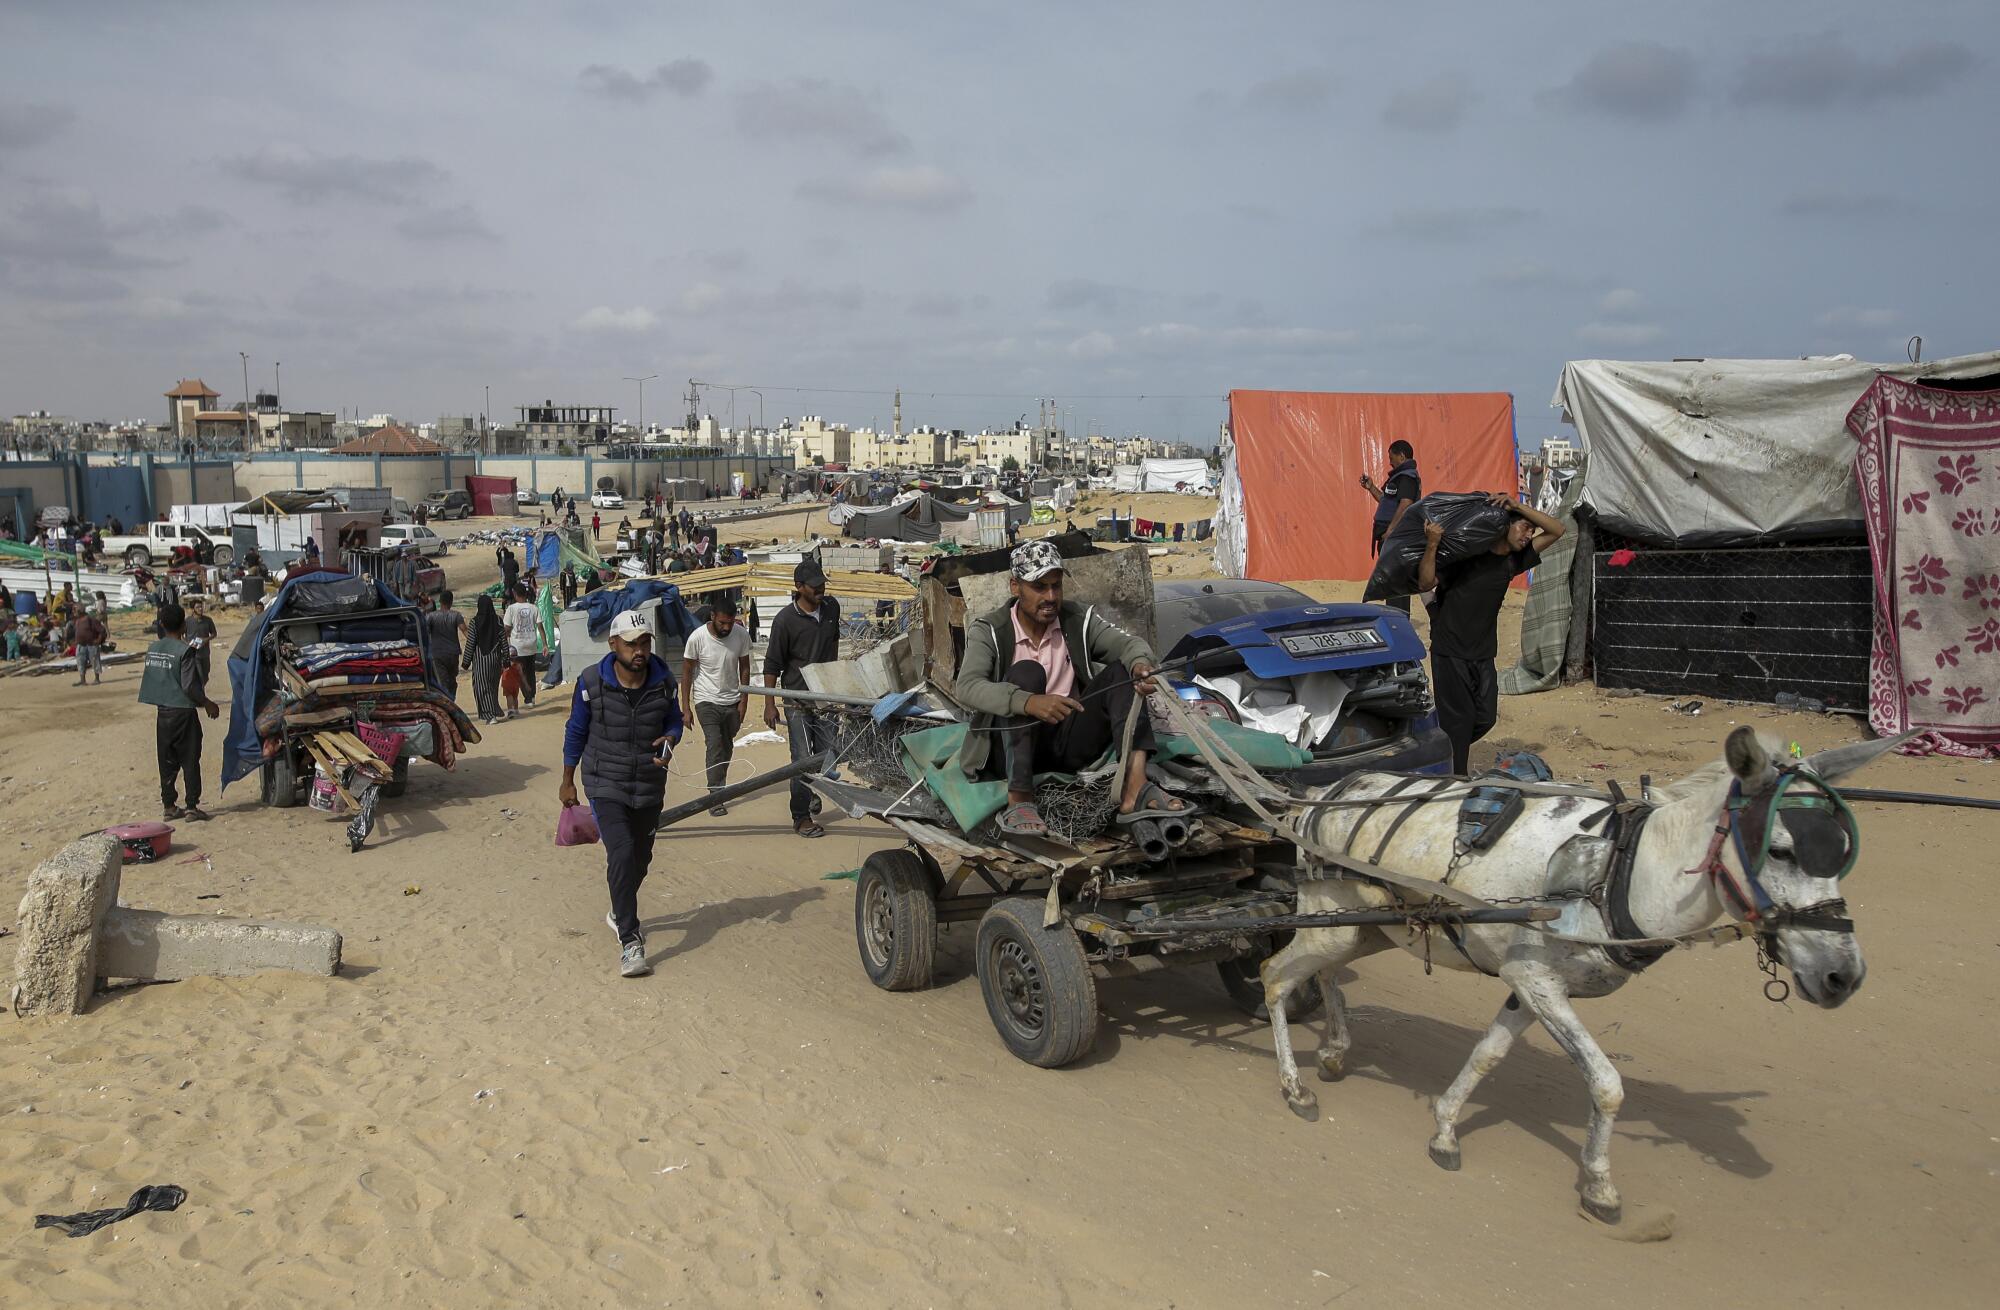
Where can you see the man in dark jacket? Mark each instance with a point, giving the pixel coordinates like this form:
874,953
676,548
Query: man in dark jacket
807,631
1055,681
175,681
1402,488
1465,621
624,721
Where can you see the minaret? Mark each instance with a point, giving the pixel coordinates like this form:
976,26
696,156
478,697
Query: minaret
898,429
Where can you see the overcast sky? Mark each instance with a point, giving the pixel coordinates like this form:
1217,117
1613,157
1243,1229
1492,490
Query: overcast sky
980,203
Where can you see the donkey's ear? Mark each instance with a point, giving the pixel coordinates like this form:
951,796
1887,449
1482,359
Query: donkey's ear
1747,757
1835,764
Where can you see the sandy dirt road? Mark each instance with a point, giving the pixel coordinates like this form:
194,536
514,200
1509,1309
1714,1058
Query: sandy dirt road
479,1111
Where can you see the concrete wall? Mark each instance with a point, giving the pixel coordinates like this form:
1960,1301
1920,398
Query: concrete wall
173,482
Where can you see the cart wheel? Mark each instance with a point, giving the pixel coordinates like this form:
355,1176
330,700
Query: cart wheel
1038,987
399,778
895,921
1246,987
281,781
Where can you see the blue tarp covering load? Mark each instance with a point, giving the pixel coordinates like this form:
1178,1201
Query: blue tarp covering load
604,606
253,679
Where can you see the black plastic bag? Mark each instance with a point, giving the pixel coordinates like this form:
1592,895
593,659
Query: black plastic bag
1471,525
328,599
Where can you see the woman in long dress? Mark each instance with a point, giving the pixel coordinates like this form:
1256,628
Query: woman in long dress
485,656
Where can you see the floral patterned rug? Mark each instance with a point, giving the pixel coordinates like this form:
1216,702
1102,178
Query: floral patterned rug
1929,470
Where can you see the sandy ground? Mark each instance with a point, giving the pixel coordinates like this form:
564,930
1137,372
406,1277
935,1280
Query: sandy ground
479,1111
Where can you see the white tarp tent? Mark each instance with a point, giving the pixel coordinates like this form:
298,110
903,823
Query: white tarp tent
1231,532
1126,477
1173,474
1722,451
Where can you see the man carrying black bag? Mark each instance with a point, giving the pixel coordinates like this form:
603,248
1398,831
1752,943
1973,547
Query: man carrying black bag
1465,621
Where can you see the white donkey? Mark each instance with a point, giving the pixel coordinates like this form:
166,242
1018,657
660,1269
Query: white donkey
1745,839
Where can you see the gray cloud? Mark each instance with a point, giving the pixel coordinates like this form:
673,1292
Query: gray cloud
918,189
66,228
1253,213
682,77
1454,223
447,223
1299,92
25,125
1437,105
332,299
1822,72
1838,204
1620,334
815,111
1640,81
1075,293
937,304
305,175
1854,316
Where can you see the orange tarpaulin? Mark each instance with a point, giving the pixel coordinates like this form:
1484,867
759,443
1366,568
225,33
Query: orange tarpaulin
1300,456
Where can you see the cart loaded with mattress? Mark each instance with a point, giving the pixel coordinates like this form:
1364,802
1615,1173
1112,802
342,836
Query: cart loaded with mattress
332,698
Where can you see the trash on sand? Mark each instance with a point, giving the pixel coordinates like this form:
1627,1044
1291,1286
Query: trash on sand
158,1196
1684,706
1791,700
767,735
412,890
674,1168
853,875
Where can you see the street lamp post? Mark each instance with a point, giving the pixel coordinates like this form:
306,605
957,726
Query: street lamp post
245,356
642,401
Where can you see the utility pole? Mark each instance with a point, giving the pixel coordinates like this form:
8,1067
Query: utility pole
694,407
642,401
246,399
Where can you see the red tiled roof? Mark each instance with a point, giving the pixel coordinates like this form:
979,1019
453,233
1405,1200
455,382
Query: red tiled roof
191,389
390,440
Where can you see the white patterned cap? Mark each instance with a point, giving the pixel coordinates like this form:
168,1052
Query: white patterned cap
1035,559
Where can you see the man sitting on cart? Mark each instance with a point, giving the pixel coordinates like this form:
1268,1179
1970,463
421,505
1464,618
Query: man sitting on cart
1053,680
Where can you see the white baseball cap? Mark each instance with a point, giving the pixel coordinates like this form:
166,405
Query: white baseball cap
631,625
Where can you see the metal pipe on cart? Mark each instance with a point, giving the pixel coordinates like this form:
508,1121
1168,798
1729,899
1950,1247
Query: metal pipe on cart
723,795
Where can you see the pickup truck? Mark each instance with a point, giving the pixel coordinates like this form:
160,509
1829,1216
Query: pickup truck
161,539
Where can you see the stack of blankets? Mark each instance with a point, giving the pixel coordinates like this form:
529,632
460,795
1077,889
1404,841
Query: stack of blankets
330,685
325,664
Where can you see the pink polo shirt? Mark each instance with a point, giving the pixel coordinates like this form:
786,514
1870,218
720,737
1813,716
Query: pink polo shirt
1052,653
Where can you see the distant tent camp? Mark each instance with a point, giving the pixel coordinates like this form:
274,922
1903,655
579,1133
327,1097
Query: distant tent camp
918,518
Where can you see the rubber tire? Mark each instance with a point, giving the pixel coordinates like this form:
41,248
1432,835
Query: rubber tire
1246,989
281,781
399,779
138,557
893,900
224,556
1012,941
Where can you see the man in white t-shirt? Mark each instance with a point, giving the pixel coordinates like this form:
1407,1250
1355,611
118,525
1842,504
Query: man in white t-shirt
714,666
524,640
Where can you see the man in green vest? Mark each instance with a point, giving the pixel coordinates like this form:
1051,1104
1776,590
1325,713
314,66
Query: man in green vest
175,680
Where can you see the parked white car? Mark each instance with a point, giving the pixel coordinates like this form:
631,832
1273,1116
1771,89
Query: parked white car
606,500
413,534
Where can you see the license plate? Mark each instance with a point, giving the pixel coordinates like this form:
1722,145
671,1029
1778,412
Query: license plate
1329,643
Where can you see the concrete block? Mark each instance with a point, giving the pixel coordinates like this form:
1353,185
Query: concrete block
171,947
55,964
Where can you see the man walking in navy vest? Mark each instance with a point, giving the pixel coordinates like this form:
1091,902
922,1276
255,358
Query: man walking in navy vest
624,721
